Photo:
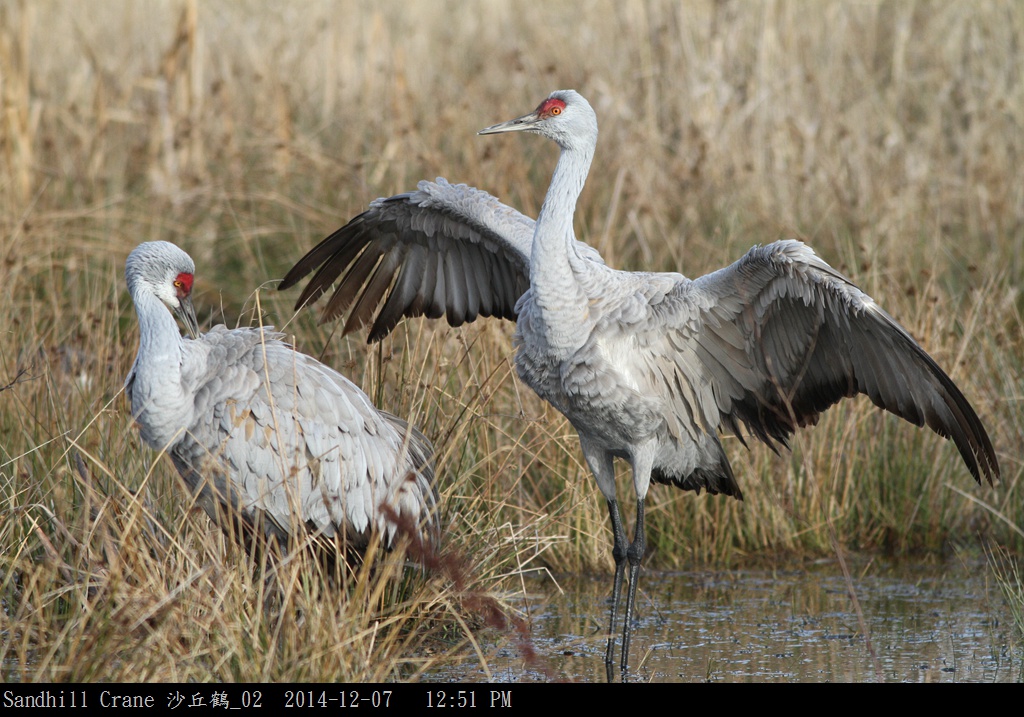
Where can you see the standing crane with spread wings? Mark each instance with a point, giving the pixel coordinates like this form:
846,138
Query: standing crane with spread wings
648,367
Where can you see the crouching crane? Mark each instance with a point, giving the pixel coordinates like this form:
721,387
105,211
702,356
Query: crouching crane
648,367
270,441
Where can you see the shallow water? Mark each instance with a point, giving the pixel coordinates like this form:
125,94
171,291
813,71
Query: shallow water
924,623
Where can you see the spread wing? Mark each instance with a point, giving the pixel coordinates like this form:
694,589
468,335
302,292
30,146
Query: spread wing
779,336
442,250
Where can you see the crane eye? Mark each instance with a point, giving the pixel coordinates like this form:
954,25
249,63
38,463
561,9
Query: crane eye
178,283
556,110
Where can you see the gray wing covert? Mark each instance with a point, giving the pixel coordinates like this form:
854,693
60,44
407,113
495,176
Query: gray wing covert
312,452
357,457
779,336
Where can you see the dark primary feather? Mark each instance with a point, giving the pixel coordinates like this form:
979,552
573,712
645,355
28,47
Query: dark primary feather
435,242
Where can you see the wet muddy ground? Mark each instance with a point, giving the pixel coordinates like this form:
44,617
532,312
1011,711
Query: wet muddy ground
921,623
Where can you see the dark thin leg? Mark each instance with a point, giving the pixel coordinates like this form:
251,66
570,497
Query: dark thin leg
619,553
635,554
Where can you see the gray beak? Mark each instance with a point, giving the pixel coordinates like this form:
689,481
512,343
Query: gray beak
519,124
187,313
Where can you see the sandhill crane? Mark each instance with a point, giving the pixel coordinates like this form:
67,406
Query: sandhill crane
648,367
270,441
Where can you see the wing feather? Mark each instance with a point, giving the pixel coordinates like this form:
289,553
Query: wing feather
293,444
781,336
470,252
457,252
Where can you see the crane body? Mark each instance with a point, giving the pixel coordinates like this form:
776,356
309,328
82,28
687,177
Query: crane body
271,442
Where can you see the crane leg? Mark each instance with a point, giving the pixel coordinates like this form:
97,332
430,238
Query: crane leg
619,551
635,553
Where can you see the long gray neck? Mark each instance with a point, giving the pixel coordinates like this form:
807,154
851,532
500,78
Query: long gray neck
556,269
157,395
159,338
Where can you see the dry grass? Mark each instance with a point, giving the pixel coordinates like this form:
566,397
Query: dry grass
887,135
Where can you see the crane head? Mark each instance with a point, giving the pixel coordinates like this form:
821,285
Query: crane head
168,273
563,116
185,310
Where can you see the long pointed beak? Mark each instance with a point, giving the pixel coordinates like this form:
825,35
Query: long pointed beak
519,124
187,313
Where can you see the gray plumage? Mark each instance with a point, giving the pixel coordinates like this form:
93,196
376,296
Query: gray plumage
649,367
262,432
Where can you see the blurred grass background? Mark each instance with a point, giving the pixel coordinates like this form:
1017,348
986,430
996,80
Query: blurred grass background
888,135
